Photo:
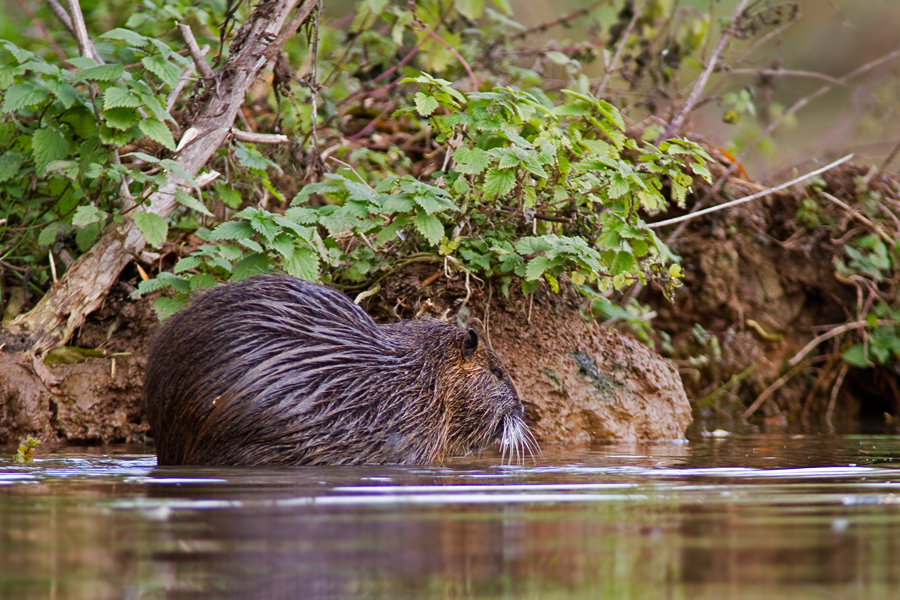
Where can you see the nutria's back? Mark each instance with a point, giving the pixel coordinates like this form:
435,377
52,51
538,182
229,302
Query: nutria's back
275,370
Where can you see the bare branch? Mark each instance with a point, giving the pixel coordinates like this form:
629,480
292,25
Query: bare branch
619,48
79,29
704,77
61,14
202,66
761,194
786,73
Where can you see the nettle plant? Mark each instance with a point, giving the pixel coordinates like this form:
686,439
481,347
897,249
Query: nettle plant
62,129
532,190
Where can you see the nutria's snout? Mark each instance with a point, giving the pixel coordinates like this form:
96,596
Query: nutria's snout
278,371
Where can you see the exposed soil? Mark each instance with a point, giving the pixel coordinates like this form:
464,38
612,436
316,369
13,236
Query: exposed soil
763,284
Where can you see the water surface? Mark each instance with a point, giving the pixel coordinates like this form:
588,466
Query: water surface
760,516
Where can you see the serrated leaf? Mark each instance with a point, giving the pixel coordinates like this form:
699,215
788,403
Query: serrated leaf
126,35
158,132
425,105
187,263
104,73
623,263
40,66
185,199
84,237
22,96
47,144
231,230
121,118
10,162
304,264
263,225
398,203
253,264
498,182
152,227
64,92
162,68
431,204
49,233
115,97
537,265
87,214
429,226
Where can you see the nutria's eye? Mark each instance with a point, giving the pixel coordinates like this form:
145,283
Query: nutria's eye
469,344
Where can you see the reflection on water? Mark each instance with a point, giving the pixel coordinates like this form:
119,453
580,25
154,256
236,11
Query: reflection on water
765,516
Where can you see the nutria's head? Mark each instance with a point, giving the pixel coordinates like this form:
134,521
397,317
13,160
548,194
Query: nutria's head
481,403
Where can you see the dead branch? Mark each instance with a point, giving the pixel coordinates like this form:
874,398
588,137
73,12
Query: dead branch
619,48
761,194
704,77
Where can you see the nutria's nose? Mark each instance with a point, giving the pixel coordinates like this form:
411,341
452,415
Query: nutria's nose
520,410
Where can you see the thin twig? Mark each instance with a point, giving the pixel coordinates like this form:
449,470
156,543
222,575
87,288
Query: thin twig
44,33
186,74
704,77
888,239
838,382
563,20
773,388
203,67
750,197
830,334
57,9
456,54
786,73
619,48
314,91
791,110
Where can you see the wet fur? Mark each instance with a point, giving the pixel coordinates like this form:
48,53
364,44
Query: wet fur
278,371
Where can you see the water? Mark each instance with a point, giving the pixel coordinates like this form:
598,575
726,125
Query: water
762,516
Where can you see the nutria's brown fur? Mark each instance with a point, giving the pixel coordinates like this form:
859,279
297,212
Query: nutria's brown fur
278,371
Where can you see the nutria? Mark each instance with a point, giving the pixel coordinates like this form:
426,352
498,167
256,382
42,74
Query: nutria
274,370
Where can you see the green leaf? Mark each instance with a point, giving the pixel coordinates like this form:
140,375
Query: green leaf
152,227
85,236
22,96
231,230
253,264
64,92
126,35
165,307
167,71
856,357
471,161
537,265
498,182
398,203
49,233
470,8
104,73
185,199
425,105
622,264
87,214
115,97
158,132
47,144
304,263
121,118
10,162
261,223
429,226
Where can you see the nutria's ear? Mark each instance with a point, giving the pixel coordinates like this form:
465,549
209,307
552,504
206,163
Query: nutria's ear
469,344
